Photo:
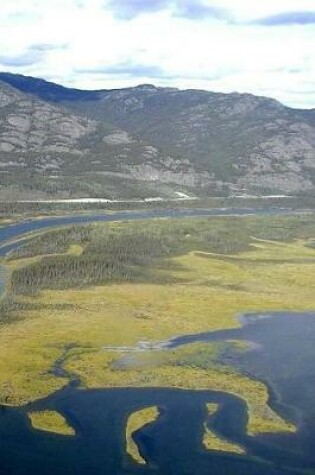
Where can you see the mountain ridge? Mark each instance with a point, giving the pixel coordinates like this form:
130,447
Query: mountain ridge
149,141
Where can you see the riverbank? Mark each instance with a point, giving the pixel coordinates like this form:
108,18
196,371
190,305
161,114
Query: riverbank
19,210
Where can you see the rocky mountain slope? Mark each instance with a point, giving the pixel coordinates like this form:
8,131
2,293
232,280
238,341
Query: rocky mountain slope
148,141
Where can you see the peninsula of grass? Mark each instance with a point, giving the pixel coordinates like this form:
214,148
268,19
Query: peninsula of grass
189,367
150,281
212,441
137,421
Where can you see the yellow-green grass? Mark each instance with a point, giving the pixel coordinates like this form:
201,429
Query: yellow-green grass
296,250
50,421
97,371
136,421
209,293
213,441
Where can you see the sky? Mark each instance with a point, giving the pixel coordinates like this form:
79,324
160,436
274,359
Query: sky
264,47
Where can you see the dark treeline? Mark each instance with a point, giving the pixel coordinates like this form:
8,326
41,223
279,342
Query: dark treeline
135,251
56,241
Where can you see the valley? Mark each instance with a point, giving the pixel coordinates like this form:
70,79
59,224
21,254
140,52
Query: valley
99,305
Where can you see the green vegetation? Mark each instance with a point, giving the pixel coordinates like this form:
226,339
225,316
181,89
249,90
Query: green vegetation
50,421
212,441
113,285
56,241
136,252
136,421
191,366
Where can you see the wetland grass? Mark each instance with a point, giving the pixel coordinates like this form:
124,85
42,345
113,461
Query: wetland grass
136,421
50,421
151,282
212,441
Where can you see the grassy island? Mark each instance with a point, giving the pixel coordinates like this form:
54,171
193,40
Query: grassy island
136,421
50,421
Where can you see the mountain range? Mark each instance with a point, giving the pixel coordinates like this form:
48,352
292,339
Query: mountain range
147,141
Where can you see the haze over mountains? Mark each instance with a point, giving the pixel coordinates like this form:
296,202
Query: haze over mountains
145,141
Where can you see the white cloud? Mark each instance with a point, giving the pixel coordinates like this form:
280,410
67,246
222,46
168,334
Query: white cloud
207,53
248,10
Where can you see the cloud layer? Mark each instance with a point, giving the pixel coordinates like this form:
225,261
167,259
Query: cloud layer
288,18
34,54
228,45
128,69
191,9
128,9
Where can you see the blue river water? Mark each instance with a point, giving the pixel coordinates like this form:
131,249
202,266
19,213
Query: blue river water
13,231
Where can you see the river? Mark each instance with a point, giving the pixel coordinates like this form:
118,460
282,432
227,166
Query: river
17,230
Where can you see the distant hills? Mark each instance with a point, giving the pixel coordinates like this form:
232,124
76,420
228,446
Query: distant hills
145,141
